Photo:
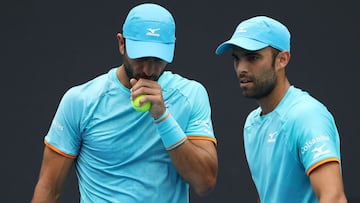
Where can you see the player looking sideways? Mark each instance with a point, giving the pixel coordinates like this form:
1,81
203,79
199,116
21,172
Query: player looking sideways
291,141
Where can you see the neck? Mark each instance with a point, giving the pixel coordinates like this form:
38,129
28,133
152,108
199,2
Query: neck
123,78
269,103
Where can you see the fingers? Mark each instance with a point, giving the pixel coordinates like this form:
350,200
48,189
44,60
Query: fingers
133,81
153,93
143,86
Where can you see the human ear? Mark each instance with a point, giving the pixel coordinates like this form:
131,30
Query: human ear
283,58
121,41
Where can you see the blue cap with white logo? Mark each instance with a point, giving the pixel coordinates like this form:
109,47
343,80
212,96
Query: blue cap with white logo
257,33
149,31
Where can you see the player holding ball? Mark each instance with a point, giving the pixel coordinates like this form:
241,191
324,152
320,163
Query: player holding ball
153,153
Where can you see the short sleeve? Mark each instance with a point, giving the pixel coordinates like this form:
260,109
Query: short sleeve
317,137
200,123
64,135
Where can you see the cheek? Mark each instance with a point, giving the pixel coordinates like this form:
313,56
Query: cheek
160,67
269,74
262,72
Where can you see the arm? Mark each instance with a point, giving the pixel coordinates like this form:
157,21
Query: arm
196,161
327,183
53,172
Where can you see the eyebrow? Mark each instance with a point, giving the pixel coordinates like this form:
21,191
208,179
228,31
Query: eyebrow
245,53
251,52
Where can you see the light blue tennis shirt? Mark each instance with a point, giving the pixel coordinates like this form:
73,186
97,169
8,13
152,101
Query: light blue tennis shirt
285,145
119,154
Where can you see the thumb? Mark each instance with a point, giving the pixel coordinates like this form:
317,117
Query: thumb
133,81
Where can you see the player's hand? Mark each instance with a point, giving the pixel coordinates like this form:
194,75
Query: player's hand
152,91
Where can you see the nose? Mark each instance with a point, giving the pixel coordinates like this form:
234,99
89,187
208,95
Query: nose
149,66
240,66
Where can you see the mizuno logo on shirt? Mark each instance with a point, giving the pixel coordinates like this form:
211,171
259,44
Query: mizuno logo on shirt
272,136
318,151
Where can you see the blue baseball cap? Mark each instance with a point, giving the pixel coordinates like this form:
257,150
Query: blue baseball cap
149,31
257,33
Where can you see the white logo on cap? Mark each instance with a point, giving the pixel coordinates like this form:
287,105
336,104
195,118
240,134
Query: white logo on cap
152,32
241,29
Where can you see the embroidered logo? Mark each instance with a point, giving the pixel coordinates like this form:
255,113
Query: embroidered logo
272,136
241,29
318,151
153,32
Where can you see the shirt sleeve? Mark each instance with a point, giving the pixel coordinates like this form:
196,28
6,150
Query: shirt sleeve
318,138
64,135
200,124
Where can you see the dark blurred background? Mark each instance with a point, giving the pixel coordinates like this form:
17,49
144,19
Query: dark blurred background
47,47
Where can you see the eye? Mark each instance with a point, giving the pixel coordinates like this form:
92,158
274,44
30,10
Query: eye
253,57
235,58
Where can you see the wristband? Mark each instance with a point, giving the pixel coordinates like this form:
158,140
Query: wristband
170,132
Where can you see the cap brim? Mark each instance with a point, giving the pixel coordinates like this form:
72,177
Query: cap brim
245,43
139,49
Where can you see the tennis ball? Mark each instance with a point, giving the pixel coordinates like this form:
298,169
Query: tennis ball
144,107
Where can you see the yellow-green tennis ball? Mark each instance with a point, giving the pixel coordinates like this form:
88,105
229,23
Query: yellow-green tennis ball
144,107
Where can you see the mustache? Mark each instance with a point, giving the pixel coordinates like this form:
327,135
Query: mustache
130,73
151,77
243,75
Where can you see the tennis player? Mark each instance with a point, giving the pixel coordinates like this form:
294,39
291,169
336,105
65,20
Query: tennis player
123,155
291,141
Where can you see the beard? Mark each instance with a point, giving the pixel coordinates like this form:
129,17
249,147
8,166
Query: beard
265,83
262,87
130,73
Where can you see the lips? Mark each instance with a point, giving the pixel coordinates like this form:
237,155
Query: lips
245,82
244,79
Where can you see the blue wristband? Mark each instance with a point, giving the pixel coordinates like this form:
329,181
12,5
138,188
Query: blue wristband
170,132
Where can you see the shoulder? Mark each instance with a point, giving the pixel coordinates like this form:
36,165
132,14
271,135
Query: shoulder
302,104
88,91
186,94
305,112
175,82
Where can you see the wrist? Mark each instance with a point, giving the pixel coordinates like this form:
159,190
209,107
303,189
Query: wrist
162,117
170,132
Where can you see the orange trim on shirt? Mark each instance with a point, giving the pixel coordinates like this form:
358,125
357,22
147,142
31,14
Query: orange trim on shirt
58,151
321,163
202,138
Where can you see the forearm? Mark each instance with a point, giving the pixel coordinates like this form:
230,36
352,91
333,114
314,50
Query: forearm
336,198
196,161
54,170
196,164
43,194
